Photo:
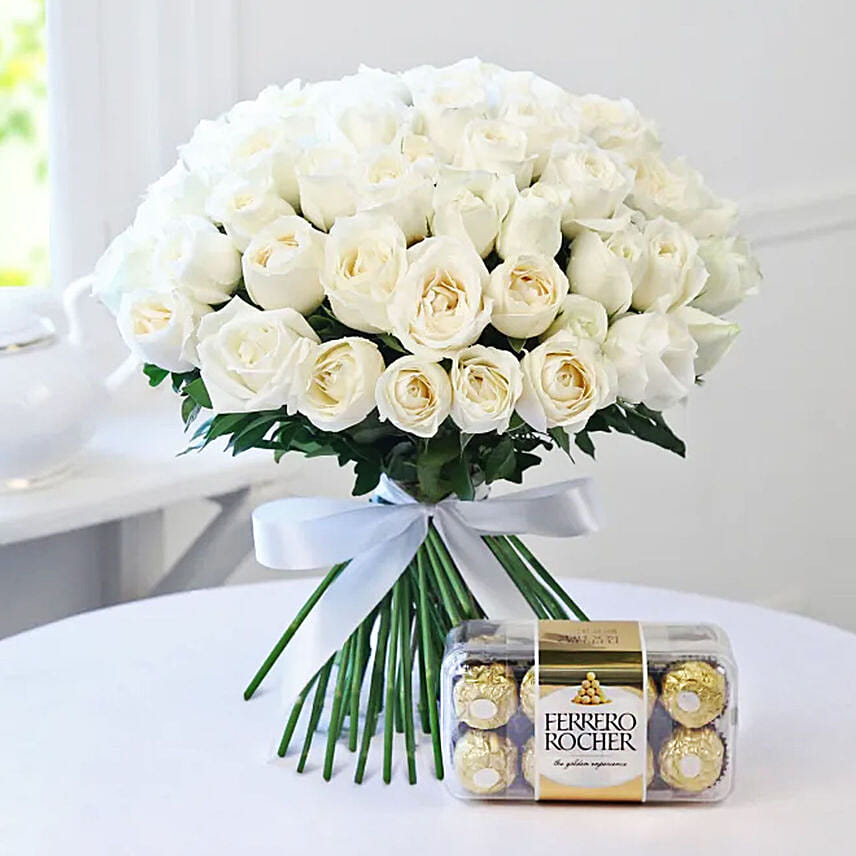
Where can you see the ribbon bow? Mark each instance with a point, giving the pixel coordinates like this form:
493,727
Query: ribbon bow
380,539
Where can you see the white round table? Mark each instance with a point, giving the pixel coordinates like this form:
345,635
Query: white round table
124,732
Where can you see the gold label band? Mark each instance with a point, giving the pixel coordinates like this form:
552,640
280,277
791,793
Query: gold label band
590,723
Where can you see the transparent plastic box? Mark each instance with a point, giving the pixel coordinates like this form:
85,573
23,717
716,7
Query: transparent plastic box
674,737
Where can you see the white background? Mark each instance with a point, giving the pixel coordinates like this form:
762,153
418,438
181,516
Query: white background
757,95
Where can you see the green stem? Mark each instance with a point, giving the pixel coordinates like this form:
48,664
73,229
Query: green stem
389,706
512,569
336,713
545,575
438,579
463,594
292,629
553,607
420,660
295,716
375,688
360,660
317,705
404,622
424,622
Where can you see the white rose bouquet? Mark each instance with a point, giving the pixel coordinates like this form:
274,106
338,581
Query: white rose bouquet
432,275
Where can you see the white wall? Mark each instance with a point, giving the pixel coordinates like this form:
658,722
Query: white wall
758,95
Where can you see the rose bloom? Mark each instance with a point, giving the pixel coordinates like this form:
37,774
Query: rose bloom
565,381
415,395
439,306
282,266
160,327
527,292
733,274
252,359
581,316
340,387
364,258
486,383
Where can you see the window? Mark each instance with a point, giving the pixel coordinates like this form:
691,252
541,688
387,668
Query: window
23,144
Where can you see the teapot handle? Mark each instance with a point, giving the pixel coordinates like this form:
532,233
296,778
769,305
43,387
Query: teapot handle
73,299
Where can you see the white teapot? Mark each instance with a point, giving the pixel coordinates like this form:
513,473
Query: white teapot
49,400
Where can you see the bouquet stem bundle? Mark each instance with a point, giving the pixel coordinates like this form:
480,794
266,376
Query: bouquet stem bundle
403,636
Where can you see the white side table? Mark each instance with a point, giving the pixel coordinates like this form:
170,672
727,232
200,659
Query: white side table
120,486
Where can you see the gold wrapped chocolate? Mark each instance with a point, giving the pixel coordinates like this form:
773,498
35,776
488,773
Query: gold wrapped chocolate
652,696
693,693
691,759
485,762
486,695
527,693
527,761
649,765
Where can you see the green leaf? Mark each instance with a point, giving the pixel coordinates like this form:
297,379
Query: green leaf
517,345
585,443
367,477
560,436
189,411
155,374
392,342
501,461
461,480
197,391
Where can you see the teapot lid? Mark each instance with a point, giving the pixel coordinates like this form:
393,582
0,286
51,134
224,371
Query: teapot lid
21,327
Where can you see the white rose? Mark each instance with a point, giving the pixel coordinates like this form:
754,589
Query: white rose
125,266
581,316
439,306
193,255
544,111
495,146
244,204
733,274
282,266
387,182
254,360
447,99
177,193
653,355
268,145
714,336
674,273
364,257
415,395
206,152
596,181
617,124
470,206
565,380
607,268
325,185
527,291
160,327
678,192
486,384
341,379
369,118
533,225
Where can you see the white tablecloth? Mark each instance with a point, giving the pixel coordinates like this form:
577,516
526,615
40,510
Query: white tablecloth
123,732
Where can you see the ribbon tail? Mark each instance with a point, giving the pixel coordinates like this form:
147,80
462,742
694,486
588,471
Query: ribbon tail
348,600
489,582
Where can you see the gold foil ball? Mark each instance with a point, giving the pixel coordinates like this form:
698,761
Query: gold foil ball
693,693
528,688
649,765
485,762
691,759
590,676
527,761
486,696
652,696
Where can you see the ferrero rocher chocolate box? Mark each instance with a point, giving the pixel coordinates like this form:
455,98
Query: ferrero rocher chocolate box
597,710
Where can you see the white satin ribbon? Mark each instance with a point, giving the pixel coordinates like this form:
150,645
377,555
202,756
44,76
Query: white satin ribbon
381,537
